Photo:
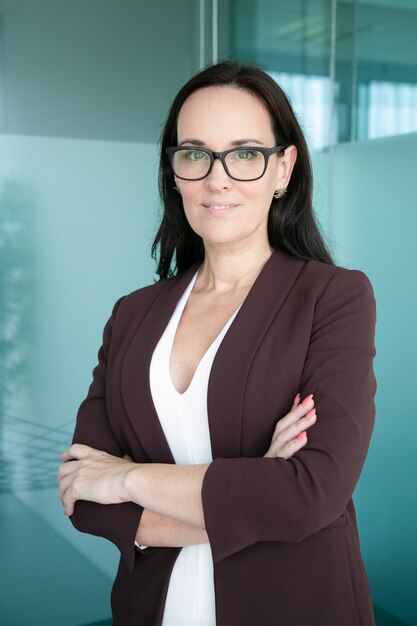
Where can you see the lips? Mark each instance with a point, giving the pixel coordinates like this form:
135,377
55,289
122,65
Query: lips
217,206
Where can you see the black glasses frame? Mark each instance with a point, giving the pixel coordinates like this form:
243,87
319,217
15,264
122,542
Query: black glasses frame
222,156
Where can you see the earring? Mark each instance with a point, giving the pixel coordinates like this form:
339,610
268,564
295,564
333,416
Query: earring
177,189
279,193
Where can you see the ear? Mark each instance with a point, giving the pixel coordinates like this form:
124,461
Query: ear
286,166
176,186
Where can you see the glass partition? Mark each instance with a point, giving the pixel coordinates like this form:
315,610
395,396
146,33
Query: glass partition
349,67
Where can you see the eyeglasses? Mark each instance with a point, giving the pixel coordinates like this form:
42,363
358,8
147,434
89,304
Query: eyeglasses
190,163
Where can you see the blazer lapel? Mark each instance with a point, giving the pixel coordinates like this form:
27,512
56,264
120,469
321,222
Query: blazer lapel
230,368
135,386
234,357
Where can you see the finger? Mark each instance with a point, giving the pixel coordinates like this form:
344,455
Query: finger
69,507
68,468
294,415
284,435
303,423
308,401
65,456
301,408
298,430
295,445
78,451
296,400
287,451
64,483
305,401
67,495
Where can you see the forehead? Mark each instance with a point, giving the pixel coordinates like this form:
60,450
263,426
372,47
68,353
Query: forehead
224,114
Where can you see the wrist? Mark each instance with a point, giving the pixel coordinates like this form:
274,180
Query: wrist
131,482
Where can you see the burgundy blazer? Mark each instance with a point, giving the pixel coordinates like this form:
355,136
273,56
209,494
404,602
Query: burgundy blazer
283,533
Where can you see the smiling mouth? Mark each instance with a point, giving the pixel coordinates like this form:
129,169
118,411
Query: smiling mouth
219,207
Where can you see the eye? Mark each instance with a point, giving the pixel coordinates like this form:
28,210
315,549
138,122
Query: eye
246,155
195,155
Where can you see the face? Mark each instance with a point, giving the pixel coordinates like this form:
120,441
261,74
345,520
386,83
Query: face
224,211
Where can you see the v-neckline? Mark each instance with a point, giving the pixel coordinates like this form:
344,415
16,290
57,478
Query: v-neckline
231,366
217,340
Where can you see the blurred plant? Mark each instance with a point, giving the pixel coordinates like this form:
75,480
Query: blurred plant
16,294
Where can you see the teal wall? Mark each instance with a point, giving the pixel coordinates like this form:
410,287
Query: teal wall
374,224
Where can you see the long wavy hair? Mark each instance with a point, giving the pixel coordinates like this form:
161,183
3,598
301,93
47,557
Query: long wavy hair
292,226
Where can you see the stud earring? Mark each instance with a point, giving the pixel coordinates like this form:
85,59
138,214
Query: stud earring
279,193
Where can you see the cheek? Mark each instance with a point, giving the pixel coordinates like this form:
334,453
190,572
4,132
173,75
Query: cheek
190,194
190,204
192,210
263,194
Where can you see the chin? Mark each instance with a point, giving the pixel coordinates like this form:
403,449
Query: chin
223,240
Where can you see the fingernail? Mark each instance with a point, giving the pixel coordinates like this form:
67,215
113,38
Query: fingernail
307,399
302,435
296,399
310,413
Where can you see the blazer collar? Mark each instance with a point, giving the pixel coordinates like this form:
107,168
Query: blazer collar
230,367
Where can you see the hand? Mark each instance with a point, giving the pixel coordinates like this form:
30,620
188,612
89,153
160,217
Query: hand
89,474
290,432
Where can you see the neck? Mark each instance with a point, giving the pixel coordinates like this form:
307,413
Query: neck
225,270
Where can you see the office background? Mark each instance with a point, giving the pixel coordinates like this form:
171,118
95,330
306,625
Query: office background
85,86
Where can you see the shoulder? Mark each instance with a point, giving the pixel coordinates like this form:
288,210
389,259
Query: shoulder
135,305
140,300
334,281
343,298
321,280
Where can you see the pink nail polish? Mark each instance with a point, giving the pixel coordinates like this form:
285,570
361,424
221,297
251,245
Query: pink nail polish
296,399
310,414
302,436
307,399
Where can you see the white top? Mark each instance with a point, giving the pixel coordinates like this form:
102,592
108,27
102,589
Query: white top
184,419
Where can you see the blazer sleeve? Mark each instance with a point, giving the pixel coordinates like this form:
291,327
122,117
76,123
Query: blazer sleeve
246,500
116,522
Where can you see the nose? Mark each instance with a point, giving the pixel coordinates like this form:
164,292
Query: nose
218,177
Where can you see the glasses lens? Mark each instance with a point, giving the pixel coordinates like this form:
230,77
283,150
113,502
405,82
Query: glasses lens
245,163
190,163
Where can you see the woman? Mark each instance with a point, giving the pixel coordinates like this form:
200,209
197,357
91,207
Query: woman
178,445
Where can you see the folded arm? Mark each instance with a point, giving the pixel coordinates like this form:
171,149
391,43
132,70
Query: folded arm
162,531
171,494
248,500
239,501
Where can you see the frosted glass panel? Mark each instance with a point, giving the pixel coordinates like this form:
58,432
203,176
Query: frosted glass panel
94,69
76,224
291,40
374,227
84,215
373,61
311,99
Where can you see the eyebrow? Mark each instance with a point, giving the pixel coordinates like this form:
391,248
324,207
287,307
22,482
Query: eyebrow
237,142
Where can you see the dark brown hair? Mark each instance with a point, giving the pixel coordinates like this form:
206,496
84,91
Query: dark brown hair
291,223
